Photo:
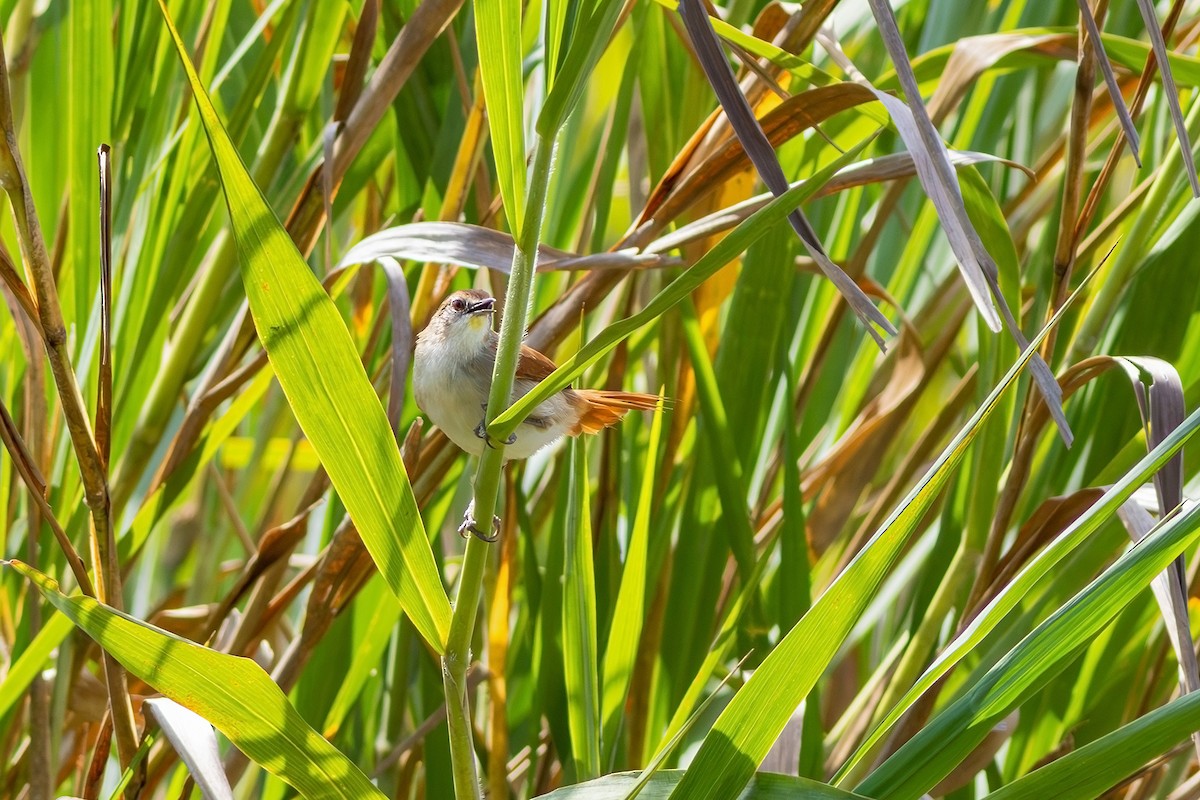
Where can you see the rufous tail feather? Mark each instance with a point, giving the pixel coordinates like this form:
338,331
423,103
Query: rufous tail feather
607,408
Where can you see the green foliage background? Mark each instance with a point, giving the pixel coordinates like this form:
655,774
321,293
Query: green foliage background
879,574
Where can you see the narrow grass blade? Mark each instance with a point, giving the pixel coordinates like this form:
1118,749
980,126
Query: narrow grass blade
234,694
580,659
368,650
321,374
758,148
670,743
591,37
1110,80
1150,17
196,743
765,786
1170,594
103,419
625,631
32,661
730,477
871,170
1159,392
932,164
937,176
476,247
926,758
1024,582
1098,766
498,32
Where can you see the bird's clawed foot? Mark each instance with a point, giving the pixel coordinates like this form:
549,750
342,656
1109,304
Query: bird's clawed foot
469,526
481,432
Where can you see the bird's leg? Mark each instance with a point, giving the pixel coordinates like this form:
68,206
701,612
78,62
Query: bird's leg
481,431
469,526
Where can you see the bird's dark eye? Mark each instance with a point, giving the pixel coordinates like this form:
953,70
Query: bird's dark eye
458,304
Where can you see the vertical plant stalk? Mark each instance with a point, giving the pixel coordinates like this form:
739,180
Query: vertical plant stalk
104,387
487,478
54,336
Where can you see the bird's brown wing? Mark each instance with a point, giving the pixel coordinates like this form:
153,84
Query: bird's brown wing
533,366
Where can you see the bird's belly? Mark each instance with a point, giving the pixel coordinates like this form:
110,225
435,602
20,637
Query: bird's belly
457,407
531,438
454,406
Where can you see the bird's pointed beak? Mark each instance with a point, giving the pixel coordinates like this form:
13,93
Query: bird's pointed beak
486,306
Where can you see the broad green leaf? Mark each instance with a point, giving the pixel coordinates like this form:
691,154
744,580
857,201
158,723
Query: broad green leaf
316,363
234,694
745,731
498,32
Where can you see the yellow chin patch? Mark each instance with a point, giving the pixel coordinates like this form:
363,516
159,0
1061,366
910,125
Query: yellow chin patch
477,321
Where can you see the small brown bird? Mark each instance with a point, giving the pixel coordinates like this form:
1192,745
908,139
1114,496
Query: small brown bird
452,376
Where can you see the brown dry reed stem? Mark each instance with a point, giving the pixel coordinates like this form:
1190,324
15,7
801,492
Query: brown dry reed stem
1146,81
91,465
104,386
1065,251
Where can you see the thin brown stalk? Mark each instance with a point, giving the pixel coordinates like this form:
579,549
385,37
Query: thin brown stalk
1146,81
420,31
27,468
91,465
1091,25
104,388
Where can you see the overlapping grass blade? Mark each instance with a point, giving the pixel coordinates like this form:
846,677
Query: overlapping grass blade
765,786
1171,93
1024,582
941,184
591,36
234,694
1096,40
1098,766
194,740
475,246
930,755
745,731
758,148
